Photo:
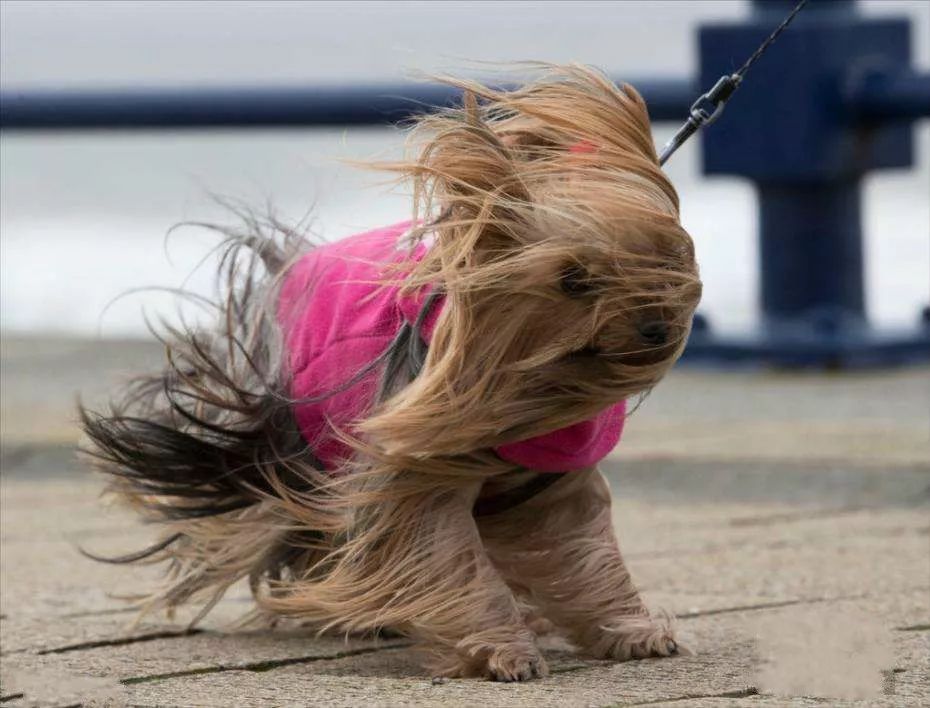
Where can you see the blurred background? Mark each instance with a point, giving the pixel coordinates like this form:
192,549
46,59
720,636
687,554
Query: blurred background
84,214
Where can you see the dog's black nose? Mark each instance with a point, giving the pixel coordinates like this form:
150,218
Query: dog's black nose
654,333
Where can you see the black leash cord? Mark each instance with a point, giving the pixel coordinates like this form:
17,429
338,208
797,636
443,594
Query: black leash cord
709,106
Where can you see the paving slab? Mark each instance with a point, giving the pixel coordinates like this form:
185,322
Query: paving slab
719,572
785,518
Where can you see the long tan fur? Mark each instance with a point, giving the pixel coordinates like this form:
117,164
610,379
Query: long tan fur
569,285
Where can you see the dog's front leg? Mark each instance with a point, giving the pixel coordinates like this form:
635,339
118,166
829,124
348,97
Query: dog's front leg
439,585
559,547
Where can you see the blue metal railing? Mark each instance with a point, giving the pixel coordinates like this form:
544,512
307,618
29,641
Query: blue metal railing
264,107
832,101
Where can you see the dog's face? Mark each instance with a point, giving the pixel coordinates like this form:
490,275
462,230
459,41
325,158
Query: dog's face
589,316
570,282
573,318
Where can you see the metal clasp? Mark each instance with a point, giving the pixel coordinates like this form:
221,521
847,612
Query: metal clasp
717,97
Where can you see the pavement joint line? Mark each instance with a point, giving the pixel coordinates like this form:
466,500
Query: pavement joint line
766,606
578,667
745,608
738,693
261,666
914,628
122,641
11,697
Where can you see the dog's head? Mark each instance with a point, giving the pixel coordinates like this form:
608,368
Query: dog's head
570,283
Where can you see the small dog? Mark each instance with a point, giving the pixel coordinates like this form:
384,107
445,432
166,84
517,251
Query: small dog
400,430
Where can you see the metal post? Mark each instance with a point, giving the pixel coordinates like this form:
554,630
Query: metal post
811,254
810,251
829,103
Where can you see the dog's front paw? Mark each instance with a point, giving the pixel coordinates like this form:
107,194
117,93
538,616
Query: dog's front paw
639,637
516,662
499,658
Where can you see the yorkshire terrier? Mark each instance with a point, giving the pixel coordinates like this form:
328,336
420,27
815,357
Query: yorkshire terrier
400,430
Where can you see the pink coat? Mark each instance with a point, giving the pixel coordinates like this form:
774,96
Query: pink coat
337,317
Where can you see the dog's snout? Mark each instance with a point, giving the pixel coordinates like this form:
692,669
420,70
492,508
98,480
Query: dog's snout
654,332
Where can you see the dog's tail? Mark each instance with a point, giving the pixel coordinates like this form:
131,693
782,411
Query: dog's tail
211,437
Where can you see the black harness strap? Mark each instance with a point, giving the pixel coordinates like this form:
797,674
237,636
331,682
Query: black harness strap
505,501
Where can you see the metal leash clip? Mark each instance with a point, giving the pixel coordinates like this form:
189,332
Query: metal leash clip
716,98
704,111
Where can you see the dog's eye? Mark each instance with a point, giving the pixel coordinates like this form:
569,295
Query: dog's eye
575,281
654,333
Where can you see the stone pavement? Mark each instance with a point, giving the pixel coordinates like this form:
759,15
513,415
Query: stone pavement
783,517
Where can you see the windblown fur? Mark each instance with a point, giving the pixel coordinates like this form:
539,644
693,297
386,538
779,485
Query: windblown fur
569,285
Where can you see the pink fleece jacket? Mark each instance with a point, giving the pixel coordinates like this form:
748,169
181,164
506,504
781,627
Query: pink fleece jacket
337,317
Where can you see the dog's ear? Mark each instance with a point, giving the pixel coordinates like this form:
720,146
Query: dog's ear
473,176
470,191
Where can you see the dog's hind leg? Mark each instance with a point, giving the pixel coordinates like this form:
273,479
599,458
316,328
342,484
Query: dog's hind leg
560,545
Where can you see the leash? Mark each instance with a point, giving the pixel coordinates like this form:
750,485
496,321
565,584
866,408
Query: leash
709,106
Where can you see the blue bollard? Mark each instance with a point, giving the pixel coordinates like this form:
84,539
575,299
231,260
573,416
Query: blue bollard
827,104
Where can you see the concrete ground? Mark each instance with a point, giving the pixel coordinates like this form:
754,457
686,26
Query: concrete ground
783,517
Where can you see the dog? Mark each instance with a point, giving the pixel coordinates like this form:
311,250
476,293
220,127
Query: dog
400,431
